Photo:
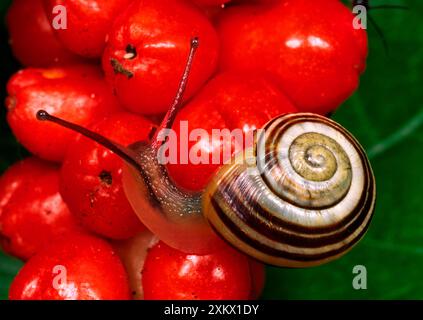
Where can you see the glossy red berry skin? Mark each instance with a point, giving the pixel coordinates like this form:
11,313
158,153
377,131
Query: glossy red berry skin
88,23
229,101
31,36
171,274
76,93
91,177
311,49
148,49
210,2
91,270
32,212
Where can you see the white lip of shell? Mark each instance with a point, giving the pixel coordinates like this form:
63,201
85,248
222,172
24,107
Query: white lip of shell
316,218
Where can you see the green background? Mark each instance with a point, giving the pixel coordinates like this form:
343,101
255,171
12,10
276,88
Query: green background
386,115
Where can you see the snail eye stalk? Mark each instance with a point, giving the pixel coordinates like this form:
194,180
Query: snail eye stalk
118,149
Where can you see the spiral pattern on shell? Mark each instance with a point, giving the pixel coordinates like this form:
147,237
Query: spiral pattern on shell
304,195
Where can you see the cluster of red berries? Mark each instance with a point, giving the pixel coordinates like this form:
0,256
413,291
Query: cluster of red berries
64,210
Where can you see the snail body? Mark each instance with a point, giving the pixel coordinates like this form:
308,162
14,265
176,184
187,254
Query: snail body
174,215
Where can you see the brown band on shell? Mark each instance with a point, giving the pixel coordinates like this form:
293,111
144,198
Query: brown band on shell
234,203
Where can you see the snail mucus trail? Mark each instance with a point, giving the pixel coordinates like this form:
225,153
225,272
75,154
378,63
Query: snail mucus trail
303,195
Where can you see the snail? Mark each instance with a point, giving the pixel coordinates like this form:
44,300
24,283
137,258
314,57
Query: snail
366,4
306,196
303,195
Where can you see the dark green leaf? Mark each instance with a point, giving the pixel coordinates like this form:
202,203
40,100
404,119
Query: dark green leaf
8,269
386,115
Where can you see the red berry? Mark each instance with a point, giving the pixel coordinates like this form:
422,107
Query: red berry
172,274
231,101
77,93
88,23
311,49
32,212
91,177
31,37
133,253
76,267
147,51
210,2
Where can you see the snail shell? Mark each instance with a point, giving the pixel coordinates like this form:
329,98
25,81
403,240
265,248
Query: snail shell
302,196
